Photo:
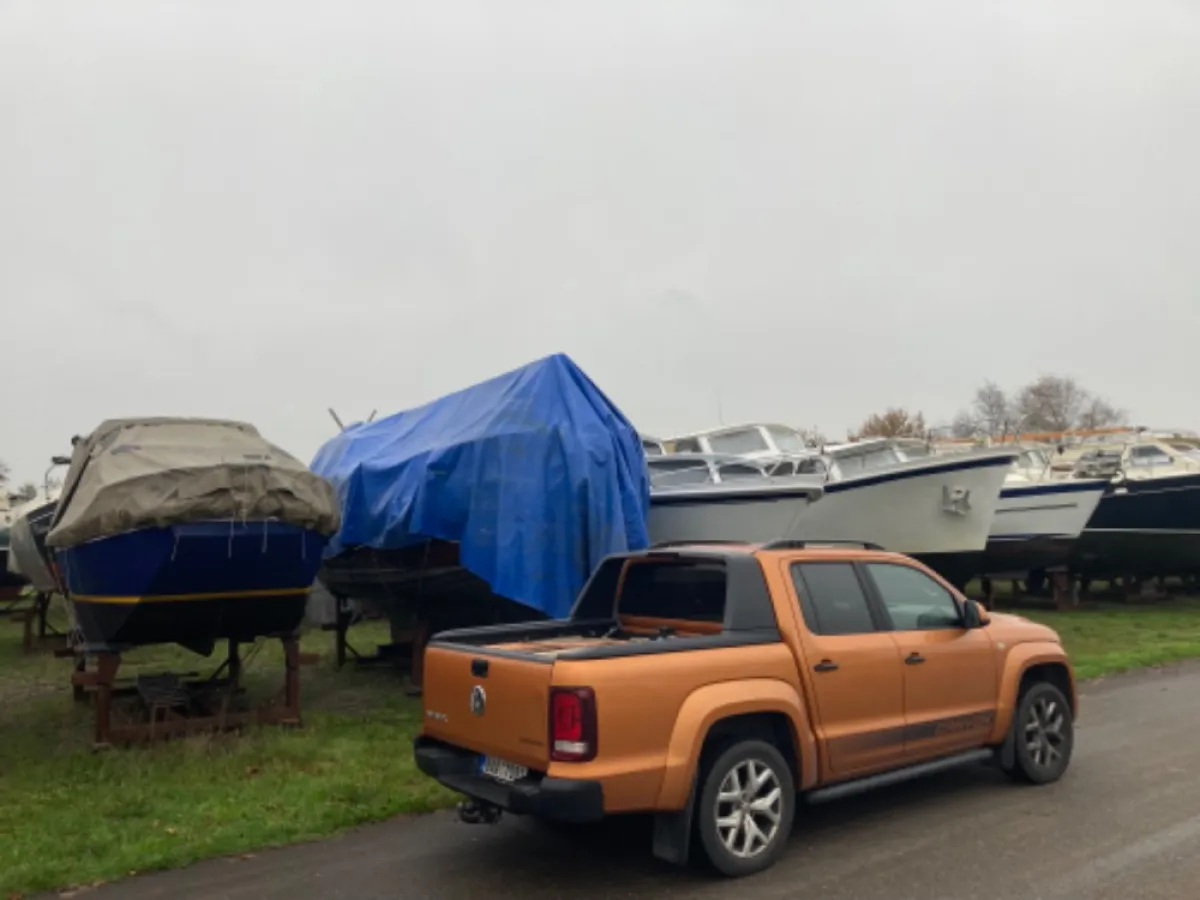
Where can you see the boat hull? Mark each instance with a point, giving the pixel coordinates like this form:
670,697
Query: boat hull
192,584
1143,527
1036,526
942,507
423,583
754,516
28,547
934,508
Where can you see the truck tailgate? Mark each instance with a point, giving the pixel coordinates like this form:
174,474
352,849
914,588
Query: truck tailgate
494,705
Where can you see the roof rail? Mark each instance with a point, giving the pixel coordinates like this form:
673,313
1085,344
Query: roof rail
802,545
698,543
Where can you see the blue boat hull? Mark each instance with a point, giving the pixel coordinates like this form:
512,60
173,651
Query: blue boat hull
192,584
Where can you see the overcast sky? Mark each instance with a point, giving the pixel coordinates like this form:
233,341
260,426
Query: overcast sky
813,208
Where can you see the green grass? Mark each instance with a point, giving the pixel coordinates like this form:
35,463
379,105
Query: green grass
1115,638
69,815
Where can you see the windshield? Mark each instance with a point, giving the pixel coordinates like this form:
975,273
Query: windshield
749,440
787,441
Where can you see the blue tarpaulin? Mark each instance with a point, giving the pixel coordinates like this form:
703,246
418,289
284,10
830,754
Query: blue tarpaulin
535,474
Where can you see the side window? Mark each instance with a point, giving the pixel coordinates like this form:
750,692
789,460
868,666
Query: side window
831,598
811,466
1148,455
687,445
914,600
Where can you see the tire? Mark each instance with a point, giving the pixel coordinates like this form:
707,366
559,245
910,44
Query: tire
1043,735
769,808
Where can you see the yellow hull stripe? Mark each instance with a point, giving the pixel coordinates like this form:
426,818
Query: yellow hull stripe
129,600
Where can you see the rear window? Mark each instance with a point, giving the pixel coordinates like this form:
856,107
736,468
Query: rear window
690,590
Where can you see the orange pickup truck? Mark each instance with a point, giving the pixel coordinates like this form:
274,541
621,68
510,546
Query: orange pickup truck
715,685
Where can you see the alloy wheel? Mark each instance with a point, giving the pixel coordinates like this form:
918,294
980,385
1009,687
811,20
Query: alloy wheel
749,808
1045,735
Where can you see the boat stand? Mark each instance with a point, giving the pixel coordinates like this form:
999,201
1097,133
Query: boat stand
405,652
32,611
180,704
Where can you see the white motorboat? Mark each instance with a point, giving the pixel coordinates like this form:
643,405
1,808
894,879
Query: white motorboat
708,497
1039,517
937,508
28,559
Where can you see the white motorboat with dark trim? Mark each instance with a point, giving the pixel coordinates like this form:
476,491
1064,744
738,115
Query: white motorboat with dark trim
1039,517
937,508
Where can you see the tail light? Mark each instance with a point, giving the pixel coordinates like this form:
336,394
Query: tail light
572,724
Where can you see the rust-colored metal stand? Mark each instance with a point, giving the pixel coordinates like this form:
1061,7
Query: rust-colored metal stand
174,708
32,612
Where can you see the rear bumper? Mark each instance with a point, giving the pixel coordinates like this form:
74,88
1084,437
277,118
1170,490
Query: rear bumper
552,799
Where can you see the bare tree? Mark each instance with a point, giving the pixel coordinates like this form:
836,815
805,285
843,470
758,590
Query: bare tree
4,471
993,411
965,425
27,491
1099,413
813,437
893,422
1059,403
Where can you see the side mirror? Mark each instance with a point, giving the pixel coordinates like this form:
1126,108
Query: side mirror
974,615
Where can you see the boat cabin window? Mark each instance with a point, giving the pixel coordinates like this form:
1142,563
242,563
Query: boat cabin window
1190,450
1149,455
667,472
688,445
784,469
870,461
652,448
739,472
787,441
690,591
813,466
748,440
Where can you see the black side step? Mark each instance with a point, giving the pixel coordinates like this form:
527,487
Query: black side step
884,779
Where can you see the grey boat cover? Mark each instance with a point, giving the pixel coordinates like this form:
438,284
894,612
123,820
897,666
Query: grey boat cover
155,472
23,556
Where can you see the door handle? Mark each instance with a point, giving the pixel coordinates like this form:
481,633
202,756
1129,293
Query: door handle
913,658
825,665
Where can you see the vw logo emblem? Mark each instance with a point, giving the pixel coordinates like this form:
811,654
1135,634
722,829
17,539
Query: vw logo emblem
478,700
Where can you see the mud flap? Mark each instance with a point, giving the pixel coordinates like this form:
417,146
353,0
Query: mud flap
673,832
1006,753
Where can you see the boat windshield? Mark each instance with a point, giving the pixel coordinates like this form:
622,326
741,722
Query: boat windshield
746,440
1031,459
787,441
667,472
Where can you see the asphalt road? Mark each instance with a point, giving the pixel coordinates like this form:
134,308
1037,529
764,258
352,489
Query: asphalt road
1123,823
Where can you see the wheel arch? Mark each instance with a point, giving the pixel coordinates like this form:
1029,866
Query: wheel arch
1029,664
757,708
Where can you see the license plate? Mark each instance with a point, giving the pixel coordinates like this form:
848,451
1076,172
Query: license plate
501,769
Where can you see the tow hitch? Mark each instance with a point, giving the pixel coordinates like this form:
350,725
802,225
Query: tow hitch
479,812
